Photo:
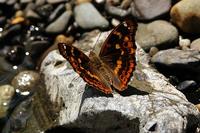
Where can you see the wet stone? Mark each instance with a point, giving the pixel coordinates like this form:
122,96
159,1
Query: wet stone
17,121
12,31
45,10
35,42
35,48
25,81
187,86
87,17
6,94
16,54
2,20
6,71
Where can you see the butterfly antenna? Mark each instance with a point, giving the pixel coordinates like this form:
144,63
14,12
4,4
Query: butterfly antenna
96,42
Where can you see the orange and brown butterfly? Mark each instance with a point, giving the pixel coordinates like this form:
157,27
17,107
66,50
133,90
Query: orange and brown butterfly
114,66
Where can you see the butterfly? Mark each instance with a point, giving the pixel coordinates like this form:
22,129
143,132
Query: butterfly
114,65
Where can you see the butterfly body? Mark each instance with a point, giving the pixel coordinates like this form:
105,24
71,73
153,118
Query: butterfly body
114,65
104,72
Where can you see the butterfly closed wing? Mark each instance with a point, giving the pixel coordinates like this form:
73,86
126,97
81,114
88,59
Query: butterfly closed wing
115,63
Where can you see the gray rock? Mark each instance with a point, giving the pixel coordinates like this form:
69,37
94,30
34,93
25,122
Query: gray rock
153,51
87,17
195,45
11,2
2,1
40,2
30,6
25,1
184,63
163,109
152,35
56,1
6,95
150,9
17,6
60,24
118,10
32,14
57,12
186,15
175,56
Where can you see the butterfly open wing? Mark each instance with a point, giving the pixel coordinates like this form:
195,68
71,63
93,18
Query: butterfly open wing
118,51
81,64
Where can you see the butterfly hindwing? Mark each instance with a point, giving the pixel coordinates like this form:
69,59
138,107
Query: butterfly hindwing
118,52
81,64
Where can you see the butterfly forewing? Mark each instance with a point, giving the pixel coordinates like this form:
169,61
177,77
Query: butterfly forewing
115,63
118,52
81,64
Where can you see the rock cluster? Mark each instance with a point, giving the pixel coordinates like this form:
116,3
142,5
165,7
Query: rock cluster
38,86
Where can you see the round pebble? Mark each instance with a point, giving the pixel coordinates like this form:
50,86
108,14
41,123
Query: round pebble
149,35
16,54
25,81
32,15
60,24
2,1
45,10
153,51
88,17
198,106
57,12
150,9
19,13
195,45
82,1
184,43
118,10
25,1
6,94
186,15
55,1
